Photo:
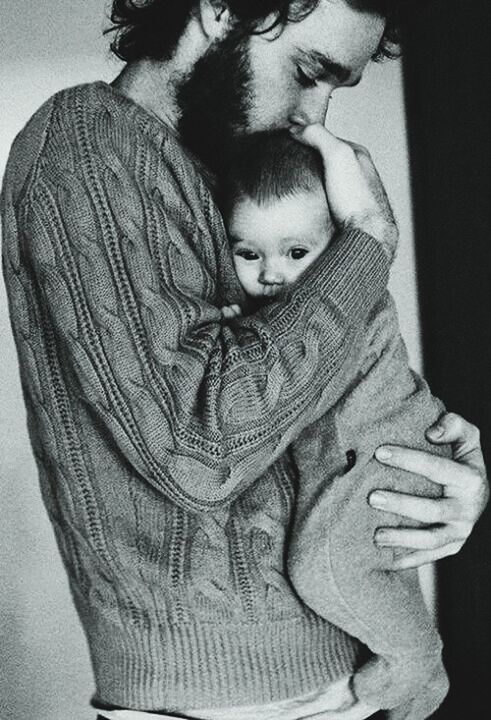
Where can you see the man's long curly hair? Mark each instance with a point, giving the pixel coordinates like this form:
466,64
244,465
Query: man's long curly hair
152,28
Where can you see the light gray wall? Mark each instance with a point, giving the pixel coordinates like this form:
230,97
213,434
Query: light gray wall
44,667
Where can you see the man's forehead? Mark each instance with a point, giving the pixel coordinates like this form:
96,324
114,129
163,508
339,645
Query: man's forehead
325,65
340,35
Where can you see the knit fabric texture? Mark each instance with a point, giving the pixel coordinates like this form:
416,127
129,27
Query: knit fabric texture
333,562
159,431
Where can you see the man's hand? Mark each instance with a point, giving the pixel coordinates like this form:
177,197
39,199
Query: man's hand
354,190
449,519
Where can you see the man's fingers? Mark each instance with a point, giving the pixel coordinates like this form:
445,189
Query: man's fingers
330,146
317,136
448,521
462,435
355,192
454,428
437,469
420,558
423,538
426,510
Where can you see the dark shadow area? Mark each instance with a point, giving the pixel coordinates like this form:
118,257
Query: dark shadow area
447,71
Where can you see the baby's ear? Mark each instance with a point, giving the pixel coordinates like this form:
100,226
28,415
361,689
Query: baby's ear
214,17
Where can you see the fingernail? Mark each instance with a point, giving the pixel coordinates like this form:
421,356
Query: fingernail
437,431
298,119
378,499
383,453
381,538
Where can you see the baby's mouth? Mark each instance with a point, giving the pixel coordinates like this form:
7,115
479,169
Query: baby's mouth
272,290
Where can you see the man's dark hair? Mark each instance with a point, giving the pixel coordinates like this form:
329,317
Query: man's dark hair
267,166
152,28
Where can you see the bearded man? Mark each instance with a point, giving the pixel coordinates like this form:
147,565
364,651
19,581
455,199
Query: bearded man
160,433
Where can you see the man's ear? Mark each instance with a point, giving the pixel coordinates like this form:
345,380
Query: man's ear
214,17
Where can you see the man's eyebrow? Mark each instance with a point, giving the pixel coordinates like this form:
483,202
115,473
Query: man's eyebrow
329,67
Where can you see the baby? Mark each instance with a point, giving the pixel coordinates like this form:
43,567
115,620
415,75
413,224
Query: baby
277,215
274,202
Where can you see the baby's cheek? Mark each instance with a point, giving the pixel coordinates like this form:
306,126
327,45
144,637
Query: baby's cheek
237,267
247,275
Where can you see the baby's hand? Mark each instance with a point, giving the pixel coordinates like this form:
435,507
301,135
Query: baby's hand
231,311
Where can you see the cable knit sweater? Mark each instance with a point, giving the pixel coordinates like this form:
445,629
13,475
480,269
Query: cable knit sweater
160,433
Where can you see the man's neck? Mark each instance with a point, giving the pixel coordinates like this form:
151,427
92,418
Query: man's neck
152,85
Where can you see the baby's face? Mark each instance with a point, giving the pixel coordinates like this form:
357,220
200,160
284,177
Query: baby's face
273,244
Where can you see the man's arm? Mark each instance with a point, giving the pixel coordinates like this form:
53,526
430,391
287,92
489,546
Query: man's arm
127,281
448,520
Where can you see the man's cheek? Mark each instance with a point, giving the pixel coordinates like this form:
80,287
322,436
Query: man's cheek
272,104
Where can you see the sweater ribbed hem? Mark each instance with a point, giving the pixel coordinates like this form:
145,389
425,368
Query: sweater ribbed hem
154,669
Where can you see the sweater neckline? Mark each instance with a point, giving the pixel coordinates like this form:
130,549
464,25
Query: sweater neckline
159,124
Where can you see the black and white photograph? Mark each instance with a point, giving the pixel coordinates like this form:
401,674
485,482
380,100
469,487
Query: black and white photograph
245,405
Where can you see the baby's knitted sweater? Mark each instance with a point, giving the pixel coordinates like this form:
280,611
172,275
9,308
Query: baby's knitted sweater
158,431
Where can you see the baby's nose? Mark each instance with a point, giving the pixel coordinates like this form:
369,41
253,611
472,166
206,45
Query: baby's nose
270,275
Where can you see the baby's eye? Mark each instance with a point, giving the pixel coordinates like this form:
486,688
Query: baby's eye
298,253
304,79
247,254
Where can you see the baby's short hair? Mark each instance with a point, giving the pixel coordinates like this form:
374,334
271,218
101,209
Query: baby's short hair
267,166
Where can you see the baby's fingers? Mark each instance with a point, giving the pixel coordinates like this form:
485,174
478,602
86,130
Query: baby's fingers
231,311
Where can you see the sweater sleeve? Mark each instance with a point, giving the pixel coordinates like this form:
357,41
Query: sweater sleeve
127,277
333,562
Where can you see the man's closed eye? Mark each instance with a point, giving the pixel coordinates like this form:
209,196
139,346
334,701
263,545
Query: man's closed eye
305,80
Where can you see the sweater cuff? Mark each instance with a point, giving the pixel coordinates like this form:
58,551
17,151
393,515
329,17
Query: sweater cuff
352,274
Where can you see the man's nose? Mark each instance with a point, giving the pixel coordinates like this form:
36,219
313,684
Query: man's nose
316,104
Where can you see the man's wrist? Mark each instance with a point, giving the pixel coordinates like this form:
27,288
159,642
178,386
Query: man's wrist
382,230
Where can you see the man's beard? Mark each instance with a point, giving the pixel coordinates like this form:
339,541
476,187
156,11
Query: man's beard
215,100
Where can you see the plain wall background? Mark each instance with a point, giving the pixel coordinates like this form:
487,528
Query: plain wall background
44,666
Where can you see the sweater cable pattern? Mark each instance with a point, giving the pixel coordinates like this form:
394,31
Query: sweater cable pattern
159,432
